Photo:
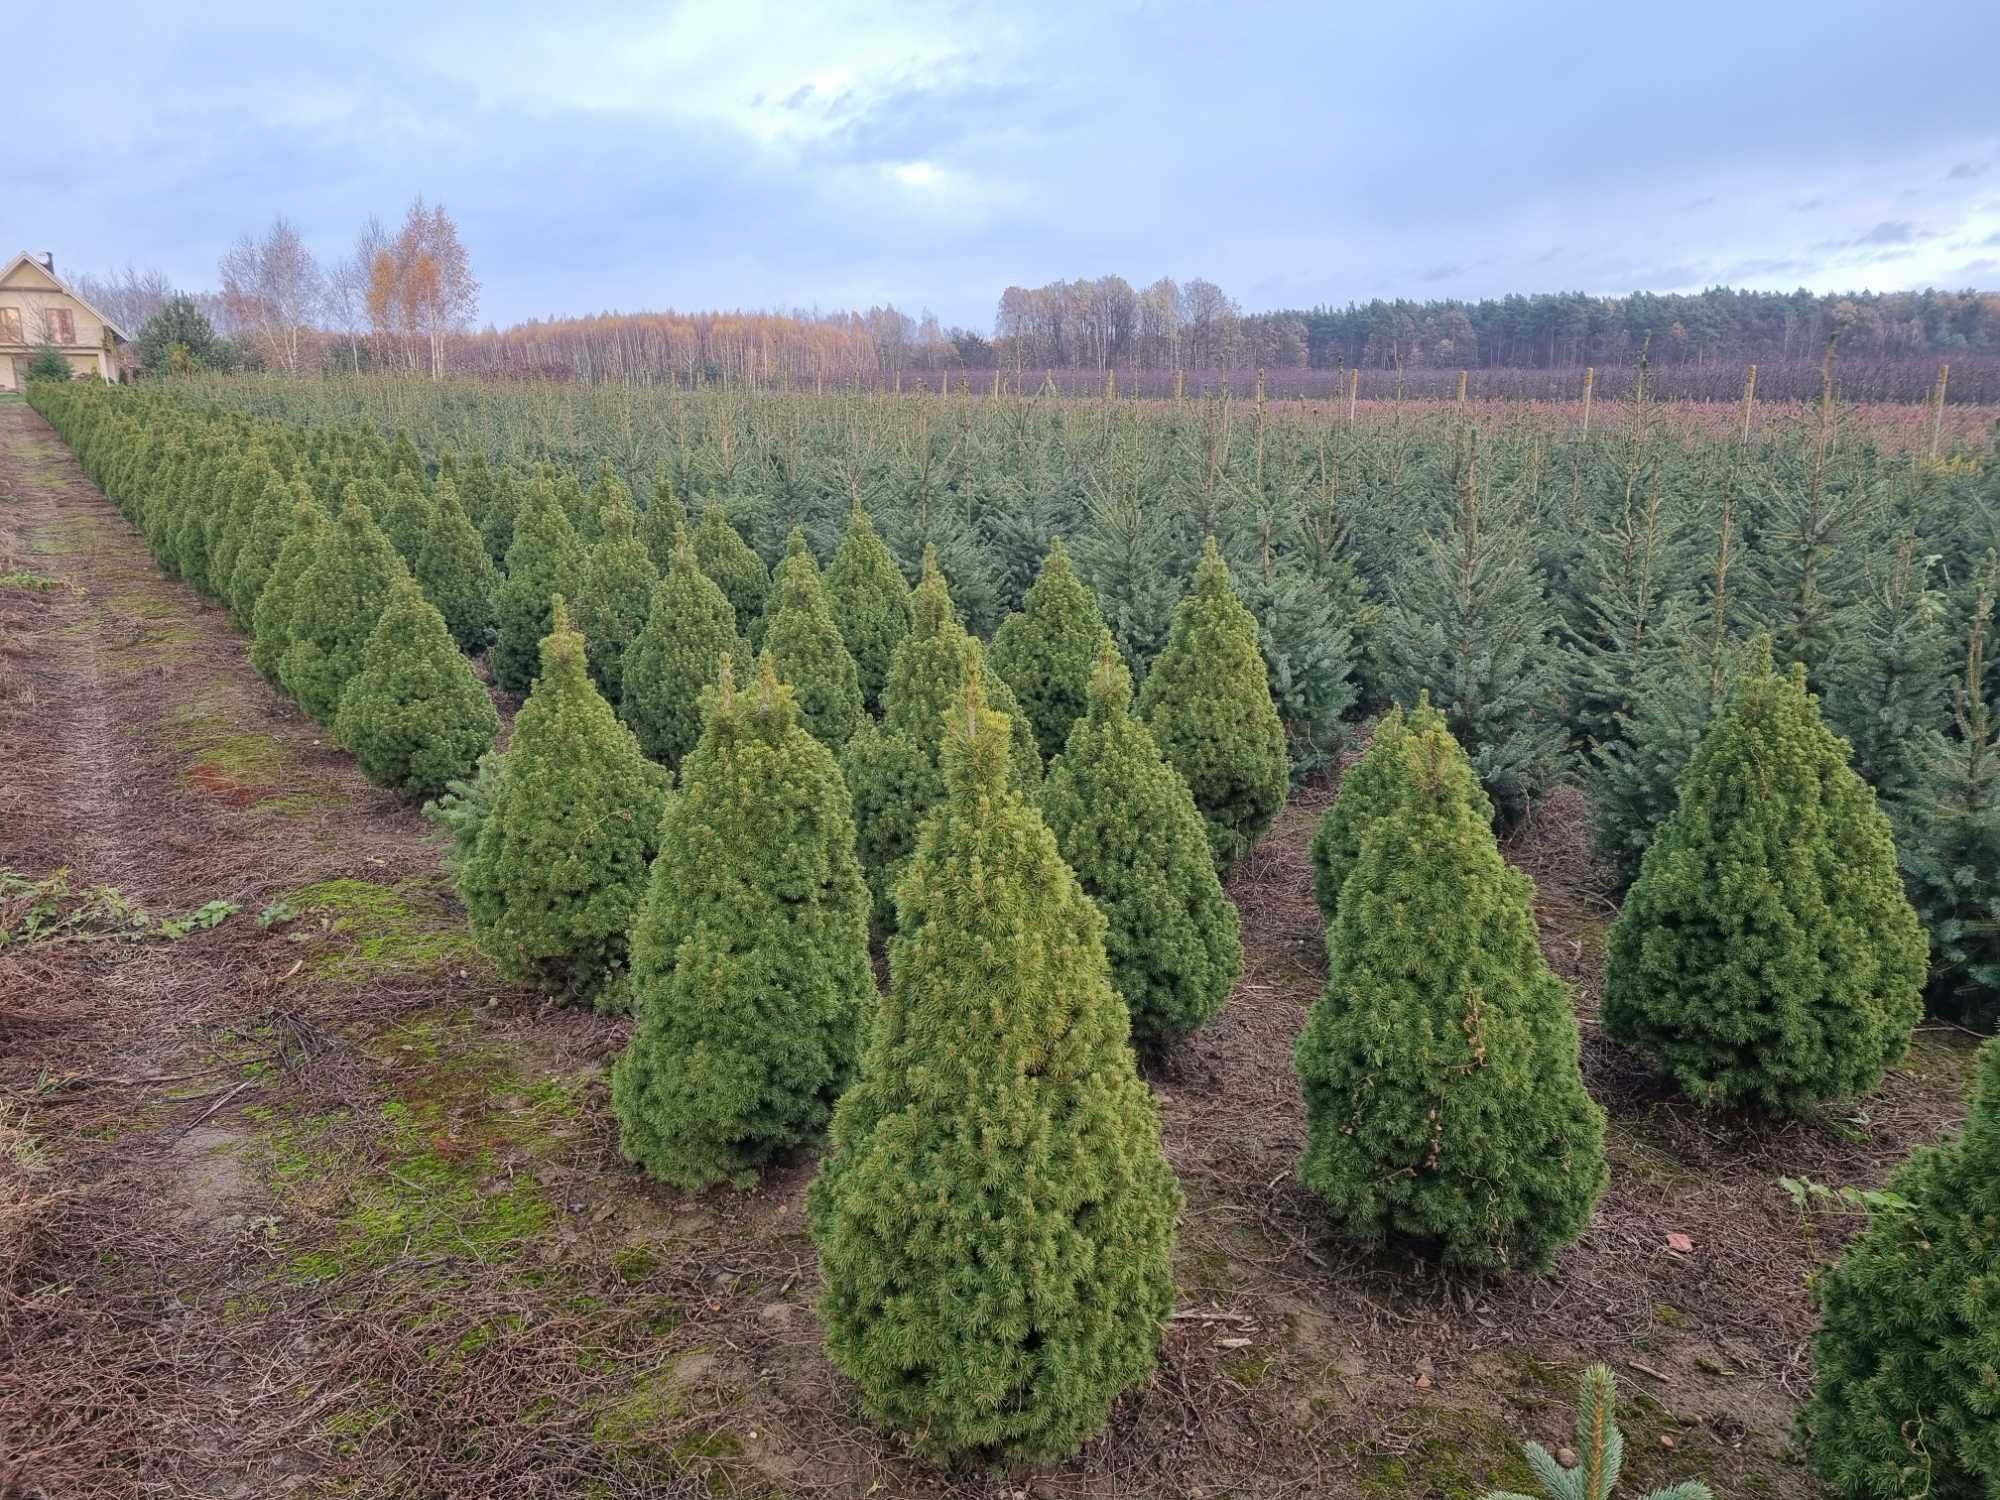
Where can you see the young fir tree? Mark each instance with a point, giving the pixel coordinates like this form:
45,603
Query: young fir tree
1047,653
1907,1401
995,1222
457,575
270,524
727,560
1443,1095
662,522
1469,623
546,559
1767,955
870,601
1888,689
406,515
677,655
415,716
272,618
616,594
1208,704
341,596
1951,853
806,647
750,974
503,509
1127,824
567,839
579,504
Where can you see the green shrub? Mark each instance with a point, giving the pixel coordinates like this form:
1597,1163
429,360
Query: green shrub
1208,703
47,363
563,852
1907,1401
750,972
1767,955
1443,1095
414,715
1127,825
995,1222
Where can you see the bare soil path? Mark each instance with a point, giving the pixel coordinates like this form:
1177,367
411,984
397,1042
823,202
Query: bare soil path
317,1206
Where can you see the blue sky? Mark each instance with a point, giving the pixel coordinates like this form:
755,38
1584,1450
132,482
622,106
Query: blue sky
728,153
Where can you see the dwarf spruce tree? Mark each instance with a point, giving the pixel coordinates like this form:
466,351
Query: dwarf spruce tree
678,654
1907,1401
457,575
270,524
341,596
617,592
1047,651
569,833
503,509
806,647
870,601
1368,789
995,1222
750,974
415,716
727,560
547,558
1208,703
406,514
1126,823
1766,955
1443,1095
272,619
662,522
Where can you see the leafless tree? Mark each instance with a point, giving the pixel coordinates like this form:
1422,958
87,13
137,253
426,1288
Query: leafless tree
274,292
347,287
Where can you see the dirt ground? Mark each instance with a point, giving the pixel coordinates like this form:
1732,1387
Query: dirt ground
309,1203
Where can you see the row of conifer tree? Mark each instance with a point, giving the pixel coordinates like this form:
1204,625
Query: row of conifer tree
996,1216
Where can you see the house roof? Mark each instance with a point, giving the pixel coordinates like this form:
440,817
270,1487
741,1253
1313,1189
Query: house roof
66,289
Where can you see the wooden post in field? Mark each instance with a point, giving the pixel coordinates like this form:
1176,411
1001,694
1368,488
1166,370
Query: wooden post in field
899,380
996,382
1589,386
1110,383
1461,395
1937,409
1749,401
1353,394
1260,385
1180,385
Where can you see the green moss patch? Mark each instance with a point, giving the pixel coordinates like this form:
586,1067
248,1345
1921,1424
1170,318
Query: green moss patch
359,928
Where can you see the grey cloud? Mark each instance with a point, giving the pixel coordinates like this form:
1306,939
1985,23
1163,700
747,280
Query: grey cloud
1966,169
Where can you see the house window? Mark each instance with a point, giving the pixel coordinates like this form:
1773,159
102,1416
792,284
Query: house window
10,326
62,327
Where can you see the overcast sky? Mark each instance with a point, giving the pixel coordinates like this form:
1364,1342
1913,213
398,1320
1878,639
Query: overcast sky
727,153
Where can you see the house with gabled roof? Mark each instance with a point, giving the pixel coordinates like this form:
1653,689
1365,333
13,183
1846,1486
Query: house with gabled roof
38,310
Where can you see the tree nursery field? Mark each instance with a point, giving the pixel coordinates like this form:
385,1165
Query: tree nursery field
605,940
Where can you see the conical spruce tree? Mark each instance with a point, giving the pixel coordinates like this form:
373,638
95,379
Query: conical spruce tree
546,559
663,520
678,653
415,716
579,504
1127,824
270,524
1208,703
750,973
870,601
617,592
893,784
1890,685
341,596
406,515
995,1222
503,509
232,527
457,575
1370,787
1766,955
1047,652
1907,1401
1443,1095
272,618
727,561
807,649
562,859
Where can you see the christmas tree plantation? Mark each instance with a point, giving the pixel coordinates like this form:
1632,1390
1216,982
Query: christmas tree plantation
1766,954
1908,1351
995,1223
414,715
1127,825
1047,651
341,596
1443,1095
562,857
1208,703
750,972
